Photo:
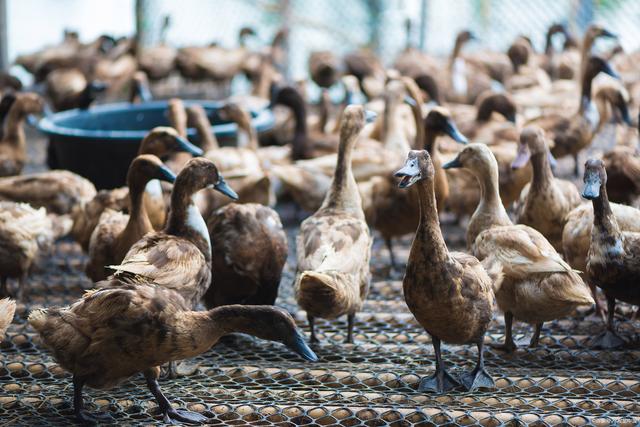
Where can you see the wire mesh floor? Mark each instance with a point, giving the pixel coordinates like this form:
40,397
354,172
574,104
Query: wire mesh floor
246,381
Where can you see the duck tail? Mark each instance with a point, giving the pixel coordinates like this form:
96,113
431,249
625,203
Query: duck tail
579,292
7,310
329,294
38,319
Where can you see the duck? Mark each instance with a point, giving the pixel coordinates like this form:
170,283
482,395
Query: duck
24,231
395,213
412,62
114,332
242,164
115,232
613,263
545,202
449,293
623,174
537,285
249,250
13,146
570,135
68,88
306,143
324,68
158,61
465,81
160,142
177,115
179,256
526,71
7,311
60,192
493,118
334,244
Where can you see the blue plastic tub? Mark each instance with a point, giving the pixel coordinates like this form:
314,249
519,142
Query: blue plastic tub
99,143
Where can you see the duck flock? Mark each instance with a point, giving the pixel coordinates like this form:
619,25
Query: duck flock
192,248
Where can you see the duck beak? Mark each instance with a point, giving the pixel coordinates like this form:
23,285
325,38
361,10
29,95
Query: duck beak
410,101
370,116
512,118
451,129
167,175
591,189
472,36
224,188
608,34
185,145
299,345
453,164
552,160
624,112
522,158
606,68
409,174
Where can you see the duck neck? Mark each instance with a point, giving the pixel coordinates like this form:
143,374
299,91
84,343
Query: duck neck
490,207
300,130
247,137
138,217
343,193
186,221
603,220
393,136
325,107
542,174
421,134
14,127
428,232
208,140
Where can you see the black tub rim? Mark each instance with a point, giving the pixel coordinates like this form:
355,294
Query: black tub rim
262,120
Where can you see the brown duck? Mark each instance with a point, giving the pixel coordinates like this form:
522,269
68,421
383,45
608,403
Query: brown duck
613,262
113,333
334,245
116,233
13,146
249,250
449,293
546,201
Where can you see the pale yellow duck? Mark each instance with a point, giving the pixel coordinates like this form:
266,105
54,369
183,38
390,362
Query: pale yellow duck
545,202
449,293
13,145
113,333
160,142
23,232
116,232
537,285
7,310
334,245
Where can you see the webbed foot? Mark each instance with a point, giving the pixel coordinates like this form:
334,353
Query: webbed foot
169,371
177,416
440,382
607,340
507,347
478,378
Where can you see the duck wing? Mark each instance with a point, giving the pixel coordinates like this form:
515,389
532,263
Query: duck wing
520,249
169,261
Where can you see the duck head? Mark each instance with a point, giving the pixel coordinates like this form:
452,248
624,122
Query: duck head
554,29
594,31
519,52
595,65
429,86
532,143
418,166
29,103
477,158
201,173
617,97
146,167
234,113
595,178
163,140
501,103
440,122
465,36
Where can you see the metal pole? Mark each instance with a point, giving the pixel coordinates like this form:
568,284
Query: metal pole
4,45
423,24
143,22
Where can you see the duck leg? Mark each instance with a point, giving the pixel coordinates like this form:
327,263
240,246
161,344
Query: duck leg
171,415
312,328
392,256
479,377
22,282
576,167
4,291
82,415
441,381
535,339
509,346
609,339
350,322
599,310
